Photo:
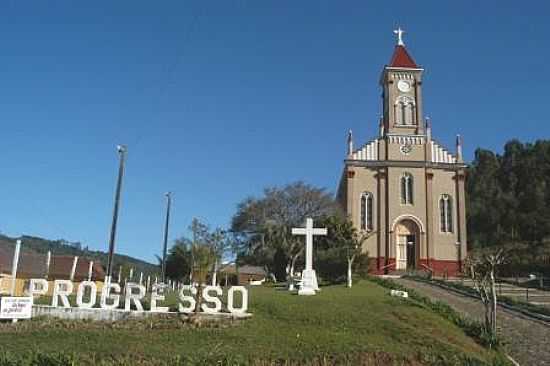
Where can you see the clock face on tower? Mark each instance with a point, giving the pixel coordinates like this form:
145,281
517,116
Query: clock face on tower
403,86
405,149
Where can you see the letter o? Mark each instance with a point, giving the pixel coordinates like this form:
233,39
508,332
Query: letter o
80,295
230,296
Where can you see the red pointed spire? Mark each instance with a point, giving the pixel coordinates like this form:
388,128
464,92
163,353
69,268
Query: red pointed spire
401,58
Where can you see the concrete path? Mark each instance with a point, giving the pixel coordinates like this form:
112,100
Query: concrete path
531,295
528,341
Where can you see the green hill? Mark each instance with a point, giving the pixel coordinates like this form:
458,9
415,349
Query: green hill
33,244
339,326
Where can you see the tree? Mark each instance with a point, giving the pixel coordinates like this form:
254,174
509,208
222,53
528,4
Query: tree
481,268
344,237
220,243
179,260
264,224
485,206
508,195
199,232
203,257
508,204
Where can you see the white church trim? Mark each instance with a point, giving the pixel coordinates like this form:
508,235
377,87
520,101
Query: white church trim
406,139
441,155
400,218
369,151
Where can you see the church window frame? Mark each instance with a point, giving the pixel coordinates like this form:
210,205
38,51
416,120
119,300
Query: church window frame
407,189
446,223
367,211
405,111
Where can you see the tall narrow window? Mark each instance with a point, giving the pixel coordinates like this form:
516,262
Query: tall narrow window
446,213
367,211
407,186
405,110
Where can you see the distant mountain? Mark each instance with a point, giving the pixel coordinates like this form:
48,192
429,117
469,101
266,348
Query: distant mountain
32,244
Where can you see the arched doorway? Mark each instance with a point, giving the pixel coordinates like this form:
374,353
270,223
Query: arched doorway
407,237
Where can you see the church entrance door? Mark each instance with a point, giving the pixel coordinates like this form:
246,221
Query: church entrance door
407,234
401,257
411,251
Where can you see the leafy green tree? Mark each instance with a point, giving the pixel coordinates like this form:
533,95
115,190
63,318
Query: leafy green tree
508,198
220,243
264,224
485,205
344,241
199,237
179,260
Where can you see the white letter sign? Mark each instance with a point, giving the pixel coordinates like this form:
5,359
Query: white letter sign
189,299
62,289
110,297
212,299
156,297
80,295
38,286
131,296
231,295
106,294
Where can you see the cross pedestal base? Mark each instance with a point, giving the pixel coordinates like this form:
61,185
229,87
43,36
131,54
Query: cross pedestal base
309,283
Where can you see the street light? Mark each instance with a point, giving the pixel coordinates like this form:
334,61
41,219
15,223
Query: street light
168,204
121,149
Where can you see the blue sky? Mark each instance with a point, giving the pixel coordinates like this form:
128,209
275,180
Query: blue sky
218,99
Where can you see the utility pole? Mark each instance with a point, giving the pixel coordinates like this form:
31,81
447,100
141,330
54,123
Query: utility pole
121,149
168,205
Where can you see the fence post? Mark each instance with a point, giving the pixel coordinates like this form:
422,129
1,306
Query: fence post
14,265
527,293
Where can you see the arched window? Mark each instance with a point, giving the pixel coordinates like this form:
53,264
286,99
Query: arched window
405,111
446,213
367,212
407,190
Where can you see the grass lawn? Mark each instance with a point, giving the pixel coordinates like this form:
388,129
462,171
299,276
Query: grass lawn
342,325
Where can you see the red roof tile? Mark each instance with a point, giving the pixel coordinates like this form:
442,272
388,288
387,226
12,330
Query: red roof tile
32,265
401,58
61,266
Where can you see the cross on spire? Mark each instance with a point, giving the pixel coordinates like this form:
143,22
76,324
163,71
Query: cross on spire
399,33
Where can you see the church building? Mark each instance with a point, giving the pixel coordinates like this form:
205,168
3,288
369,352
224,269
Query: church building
404,188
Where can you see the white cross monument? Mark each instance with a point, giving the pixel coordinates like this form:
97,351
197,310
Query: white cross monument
309,278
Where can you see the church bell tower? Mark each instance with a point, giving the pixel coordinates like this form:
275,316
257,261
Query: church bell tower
403,187
401,83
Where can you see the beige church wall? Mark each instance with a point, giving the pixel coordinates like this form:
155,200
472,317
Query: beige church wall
417,153
417,209
341,194
364,180
444,243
